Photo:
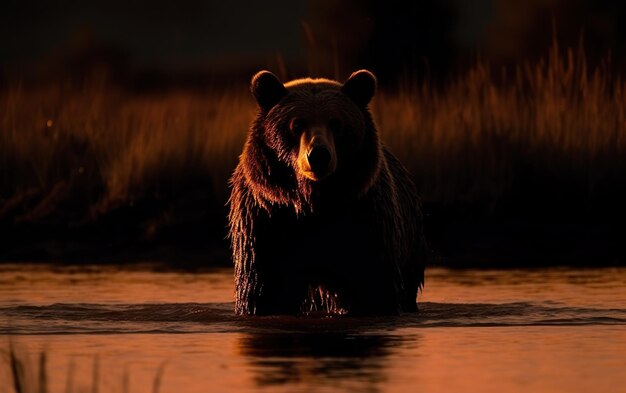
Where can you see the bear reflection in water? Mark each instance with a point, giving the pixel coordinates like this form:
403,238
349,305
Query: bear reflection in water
291,358
323,217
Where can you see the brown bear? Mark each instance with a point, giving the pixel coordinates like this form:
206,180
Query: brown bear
323,218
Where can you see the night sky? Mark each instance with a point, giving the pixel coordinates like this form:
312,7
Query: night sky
311,36
153,32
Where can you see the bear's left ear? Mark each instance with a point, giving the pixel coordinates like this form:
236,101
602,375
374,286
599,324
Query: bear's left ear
267,89
360,87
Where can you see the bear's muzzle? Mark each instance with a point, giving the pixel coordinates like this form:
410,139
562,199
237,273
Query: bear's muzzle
317,159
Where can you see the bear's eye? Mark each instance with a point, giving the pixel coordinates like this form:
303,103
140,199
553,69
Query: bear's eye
297,125
335,125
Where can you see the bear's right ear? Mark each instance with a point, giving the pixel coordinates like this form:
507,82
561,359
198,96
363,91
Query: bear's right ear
361,87
267,89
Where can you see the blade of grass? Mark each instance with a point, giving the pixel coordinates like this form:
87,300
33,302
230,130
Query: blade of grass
158,377
43,378
17,370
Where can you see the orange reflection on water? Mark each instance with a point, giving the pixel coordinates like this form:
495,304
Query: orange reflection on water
555,359
549,330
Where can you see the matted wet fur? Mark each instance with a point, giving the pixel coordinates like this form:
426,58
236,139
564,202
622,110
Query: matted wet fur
322,216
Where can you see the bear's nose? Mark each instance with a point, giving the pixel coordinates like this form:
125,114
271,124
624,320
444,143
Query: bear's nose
319,158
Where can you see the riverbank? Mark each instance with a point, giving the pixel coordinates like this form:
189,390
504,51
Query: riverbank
525,167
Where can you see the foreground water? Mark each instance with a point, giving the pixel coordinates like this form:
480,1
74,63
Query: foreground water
141,330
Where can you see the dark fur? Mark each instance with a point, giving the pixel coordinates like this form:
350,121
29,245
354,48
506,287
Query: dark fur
349,243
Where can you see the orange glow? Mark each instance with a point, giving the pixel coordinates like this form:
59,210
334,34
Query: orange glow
184,324
472,131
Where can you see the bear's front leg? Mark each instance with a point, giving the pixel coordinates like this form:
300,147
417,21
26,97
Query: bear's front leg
278,296
277,286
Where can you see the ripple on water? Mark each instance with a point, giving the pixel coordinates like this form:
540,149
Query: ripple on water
63,318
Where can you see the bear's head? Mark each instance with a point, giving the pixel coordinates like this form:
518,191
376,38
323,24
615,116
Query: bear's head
313,142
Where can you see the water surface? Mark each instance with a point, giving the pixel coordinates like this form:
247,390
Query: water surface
551,330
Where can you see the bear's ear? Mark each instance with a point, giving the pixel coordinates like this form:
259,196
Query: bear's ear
267,89
360,87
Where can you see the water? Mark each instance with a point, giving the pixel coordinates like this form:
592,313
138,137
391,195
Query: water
549,330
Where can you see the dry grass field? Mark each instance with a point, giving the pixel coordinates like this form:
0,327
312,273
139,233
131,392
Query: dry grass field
543,141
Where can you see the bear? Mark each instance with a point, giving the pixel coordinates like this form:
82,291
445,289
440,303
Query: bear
323,218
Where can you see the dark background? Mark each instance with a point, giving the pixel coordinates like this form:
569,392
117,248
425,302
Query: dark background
158,45
196,42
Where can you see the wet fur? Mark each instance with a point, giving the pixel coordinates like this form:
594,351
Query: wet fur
355,237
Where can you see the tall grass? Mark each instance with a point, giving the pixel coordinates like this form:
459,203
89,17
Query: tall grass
554,126
115,147
467,140
28,377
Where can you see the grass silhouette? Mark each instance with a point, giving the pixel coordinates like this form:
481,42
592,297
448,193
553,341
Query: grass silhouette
544,141
27,377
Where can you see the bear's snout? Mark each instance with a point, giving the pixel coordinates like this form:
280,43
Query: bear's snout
317,158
